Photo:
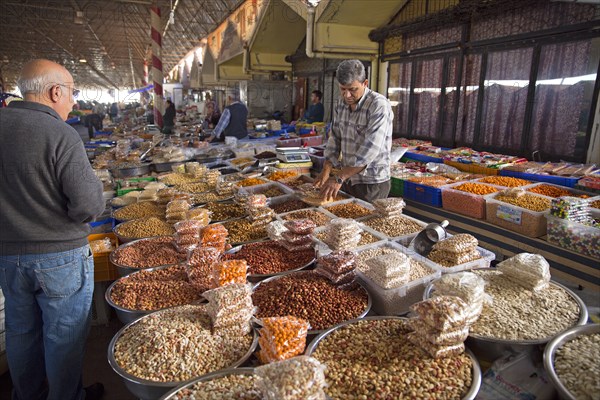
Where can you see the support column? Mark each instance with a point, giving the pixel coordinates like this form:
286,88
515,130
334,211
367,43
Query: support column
157,69
144,97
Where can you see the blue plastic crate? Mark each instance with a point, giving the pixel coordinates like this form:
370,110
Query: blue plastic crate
423,194
422,158
557,180
304,131
102,133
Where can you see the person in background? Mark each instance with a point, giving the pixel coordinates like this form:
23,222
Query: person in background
360,141
232,122
169,118
49,193
93,122
212,115
316,111
113,112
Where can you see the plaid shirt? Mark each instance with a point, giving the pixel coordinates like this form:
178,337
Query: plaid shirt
362,137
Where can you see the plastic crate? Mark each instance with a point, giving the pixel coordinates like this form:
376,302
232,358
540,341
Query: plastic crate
310,141
574,236
557,180
423,158
359,202
465,203
398,300
521,220
572,192
295,142
472,168
323,249
102,226
104,270
397,187
404,239
423,194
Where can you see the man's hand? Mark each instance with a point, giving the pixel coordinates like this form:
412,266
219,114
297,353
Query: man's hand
321,179
330,189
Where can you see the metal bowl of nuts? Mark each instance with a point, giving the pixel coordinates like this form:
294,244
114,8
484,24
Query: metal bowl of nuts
307,295
228,383
152,289
152,361
142,228
271,259
571,361
145,253
519,320
368,355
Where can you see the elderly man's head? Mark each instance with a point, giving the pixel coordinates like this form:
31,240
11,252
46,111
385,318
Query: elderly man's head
48,83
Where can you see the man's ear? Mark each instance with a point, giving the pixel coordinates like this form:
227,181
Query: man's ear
366,83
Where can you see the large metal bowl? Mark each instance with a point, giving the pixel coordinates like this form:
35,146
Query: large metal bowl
476,371
125,239
554,345
167,166
124,270
151,390
143,169
208,377
491,349
254,278
127,315
314,331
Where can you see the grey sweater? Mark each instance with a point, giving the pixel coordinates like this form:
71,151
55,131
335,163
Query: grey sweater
48,190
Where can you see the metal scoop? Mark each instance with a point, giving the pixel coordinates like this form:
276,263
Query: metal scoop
429,236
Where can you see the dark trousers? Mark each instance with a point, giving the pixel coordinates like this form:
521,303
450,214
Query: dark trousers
368,192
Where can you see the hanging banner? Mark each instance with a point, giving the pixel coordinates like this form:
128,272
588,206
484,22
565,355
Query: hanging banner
143,89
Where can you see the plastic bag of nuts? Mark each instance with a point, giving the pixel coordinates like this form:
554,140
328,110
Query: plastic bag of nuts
282,338
389,270
199,214
189,227
337,279
443,313
300,226
531,271
275,230
296,239
436,351
460,243
294,247
338,262
466,285
301,377
438,338
228,272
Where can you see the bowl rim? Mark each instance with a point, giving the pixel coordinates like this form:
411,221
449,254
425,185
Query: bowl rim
112,255
206,378
139,381
476,376
583,314
314,331
557,342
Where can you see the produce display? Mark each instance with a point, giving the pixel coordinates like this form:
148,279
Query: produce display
224,212
139,210
317,217
288,206
505,181
349,210
528,219
147,253
240,387
309,296
242,231
365,359
576,363
266,258
554,191
394,226
149,350
467,198
144,228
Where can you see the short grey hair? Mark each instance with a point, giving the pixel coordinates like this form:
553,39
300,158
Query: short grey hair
349,71
38,84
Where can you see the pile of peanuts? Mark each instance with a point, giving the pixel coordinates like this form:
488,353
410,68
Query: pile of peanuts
576,364
242,231
271,258
519,314
240,387
147,253
144,227
150,350
139,210
308,296
373,359
207,197
223,212
528,201
505,181
394,226
349,210
554,191
288,206
317,217
196,187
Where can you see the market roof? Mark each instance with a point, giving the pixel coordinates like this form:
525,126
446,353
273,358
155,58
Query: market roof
112,36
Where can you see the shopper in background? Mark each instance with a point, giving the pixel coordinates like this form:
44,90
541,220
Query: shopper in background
169,118
113,112
316,111
49,193
212,115
232,122
360,140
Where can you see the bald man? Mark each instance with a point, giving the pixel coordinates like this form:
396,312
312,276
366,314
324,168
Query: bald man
49,193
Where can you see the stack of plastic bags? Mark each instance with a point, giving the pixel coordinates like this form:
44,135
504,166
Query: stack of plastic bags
199,214
187,235
230,308
297,237
165,196
389,271
342,234
211,178
389,207
299,378
441,326
275,229
466,285
531,271
214,236
177,210
199,266
455,250
282,338
195,168
225,187
229,272
339,267
258,211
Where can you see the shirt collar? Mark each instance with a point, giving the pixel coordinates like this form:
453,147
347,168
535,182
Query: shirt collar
32,105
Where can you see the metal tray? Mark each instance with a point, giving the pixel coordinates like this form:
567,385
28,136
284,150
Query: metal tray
208,377
150,390
167,167
555,344
476,371
143,169
254,278
491,349
314,331
125,270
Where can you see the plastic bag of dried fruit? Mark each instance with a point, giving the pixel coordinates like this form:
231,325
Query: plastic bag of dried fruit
444,313
337,279
338,262
300,226
275,230
282,337
228,272
294,247
301,377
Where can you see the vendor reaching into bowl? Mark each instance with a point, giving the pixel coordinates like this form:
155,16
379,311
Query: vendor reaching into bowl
360,140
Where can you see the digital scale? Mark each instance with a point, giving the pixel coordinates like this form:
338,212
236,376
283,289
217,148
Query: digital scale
292,154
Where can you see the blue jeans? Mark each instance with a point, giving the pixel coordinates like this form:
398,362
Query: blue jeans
48,300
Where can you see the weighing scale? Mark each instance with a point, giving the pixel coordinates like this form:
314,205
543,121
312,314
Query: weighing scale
292,154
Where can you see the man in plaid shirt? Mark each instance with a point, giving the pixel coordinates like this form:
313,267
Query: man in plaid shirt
360,141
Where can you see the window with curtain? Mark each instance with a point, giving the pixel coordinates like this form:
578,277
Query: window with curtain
469,92
427,95
399,95
451,97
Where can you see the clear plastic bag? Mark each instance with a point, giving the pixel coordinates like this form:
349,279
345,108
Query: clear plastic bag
447,259
183,239
439,338
299,378
300,226
255,201
228,272
436,351
389,270
338,262
293,247
260,213
189,227
531,271
295,239
101,246
275,230
178,206
199,214
283,337
176,216
337,279
443,313
457,244
466,285
391,206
